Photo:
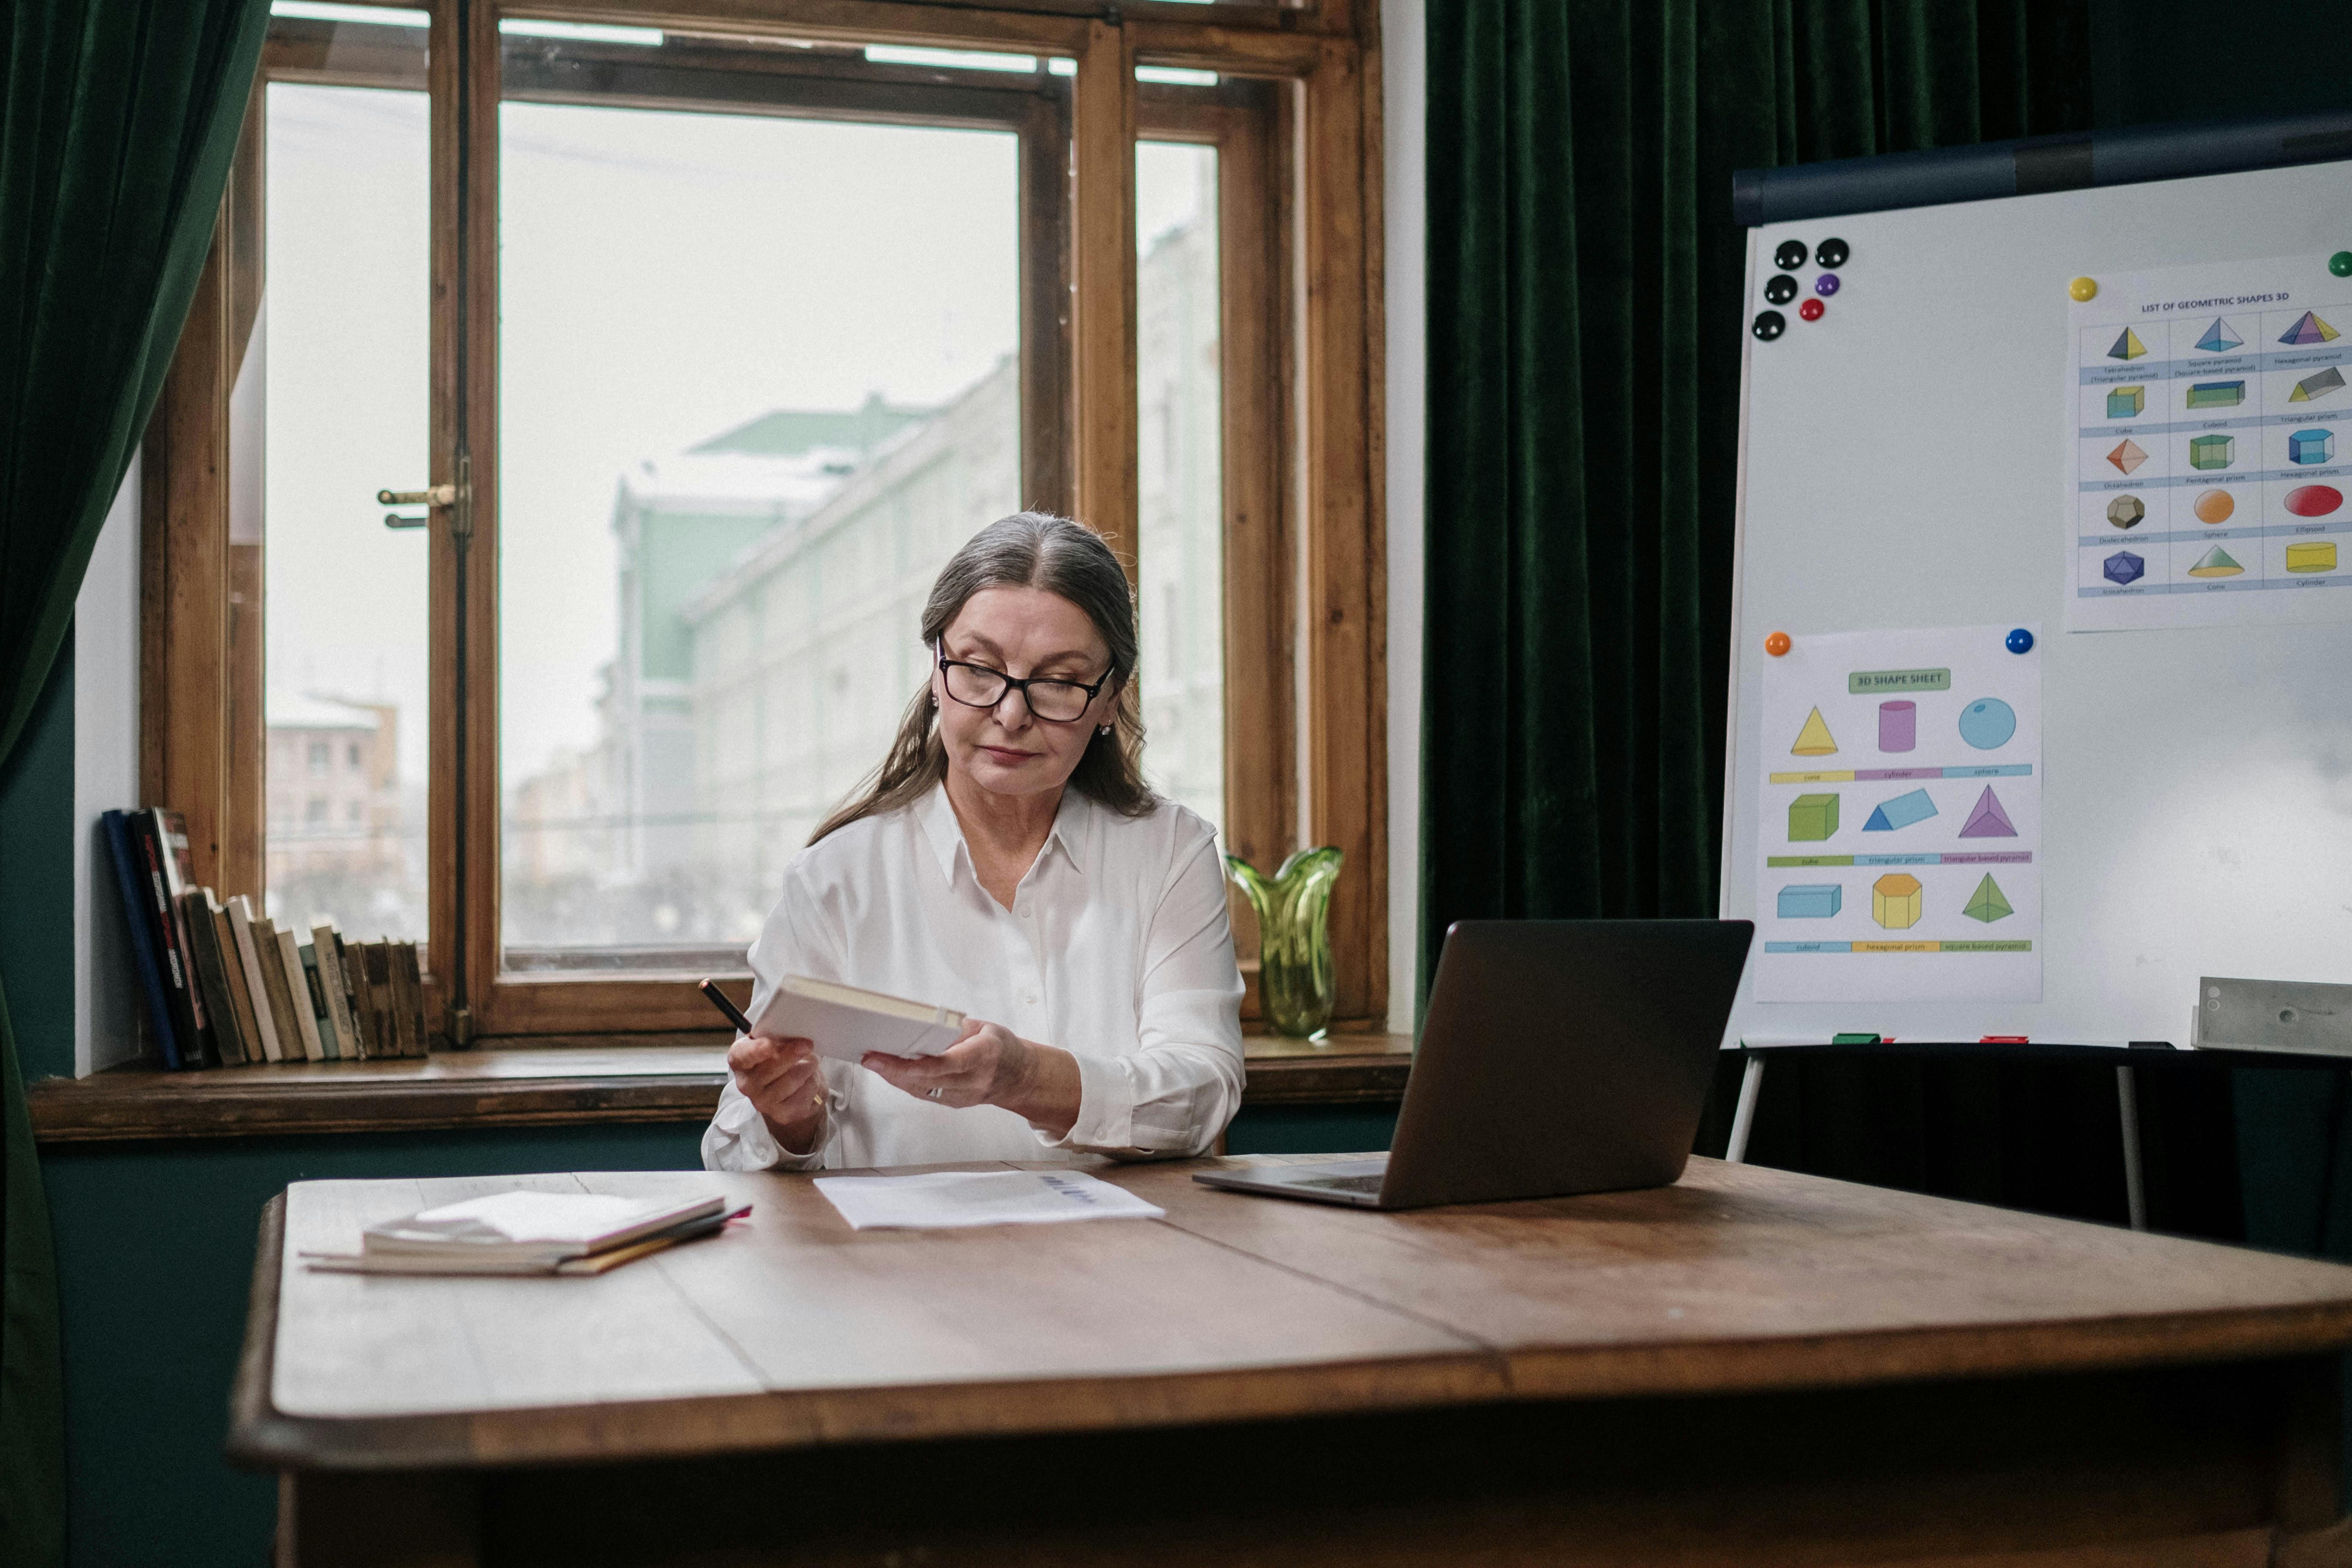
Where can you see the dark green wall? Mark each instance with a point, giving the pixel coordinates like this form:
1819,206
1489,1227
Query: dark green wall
2155,61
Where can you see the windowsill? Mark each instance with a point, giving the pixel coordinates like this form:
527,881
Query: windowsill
592,1081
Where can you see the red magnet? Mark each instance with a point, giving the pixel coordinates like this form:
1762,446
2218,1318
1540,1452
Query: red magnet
1812,310
1777,644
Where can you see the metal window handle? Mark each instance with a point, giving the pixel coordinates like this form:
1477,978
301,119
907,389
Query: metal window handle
458,497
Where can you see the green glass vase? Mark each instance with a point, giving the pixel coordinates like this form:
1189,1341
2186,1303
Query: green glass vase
1295,985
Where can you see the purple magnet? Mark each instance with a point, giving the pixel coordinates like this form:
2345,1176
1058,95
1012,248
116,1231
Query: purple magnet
1827,283
1898,726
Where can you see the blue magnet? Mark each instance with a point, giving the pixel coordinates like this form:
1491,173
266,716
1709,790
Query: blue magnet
2019,641
1827,283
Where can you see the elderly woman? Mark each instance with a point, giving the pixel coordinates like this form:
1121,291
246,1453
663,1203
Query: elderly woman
1006,860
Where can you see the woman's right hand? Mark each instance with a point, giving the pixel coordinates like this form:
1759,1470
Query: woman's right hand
780,1077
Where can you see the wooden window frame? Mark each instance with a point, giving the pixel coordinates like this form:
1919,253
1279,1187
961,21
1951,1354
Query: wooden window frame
1299,274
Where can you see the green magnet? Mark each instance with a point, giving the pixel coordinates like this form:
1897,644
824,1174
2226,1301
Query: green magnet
2341,264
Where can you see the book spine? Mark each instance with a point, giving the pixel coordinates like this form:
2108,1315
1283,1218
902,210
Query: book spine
165,834
179,982
279,990
323,944
322,1019
256,983
348,960
130,876
240,1000
408,986
298,994
212,979
378,958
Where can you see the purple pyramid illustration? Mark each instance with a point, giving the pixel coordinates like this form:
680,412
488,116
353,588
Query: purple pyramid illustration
1987,819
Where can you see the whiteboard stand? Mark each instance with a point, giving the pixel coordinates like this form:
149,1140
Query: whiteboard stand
1743,1116
1751,1085
2134,1178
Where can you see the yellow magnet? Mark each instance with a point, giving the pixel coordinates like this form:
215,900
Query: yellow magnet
2084,287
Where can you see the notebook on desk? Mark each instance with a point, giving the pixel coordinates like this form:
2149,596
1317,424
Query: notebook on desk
1556,1057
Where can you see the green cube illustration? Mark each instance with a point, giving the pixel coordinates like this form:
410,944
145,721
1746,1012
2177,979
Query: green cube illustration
1812,818
2212,451
2127,401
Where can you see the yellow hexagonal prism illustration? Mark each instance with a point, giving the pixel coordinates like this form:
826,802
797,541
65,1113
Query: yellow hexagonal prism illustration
1896,901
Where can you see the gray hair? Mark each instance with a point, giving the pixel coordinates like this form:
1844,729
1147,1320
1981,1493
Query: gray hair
1026,550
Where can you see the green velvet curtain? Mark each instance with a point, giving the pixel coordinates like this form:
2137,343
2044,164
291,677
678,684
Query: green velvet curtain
115,138
1584,349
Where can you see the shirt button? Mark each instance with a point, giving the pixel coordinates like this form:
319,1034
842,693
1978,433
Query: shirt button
1030,1000
1028,914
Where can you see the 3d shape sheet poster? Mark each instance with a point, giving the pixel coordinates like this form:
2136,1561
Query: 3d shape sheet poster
2209,410
1900,819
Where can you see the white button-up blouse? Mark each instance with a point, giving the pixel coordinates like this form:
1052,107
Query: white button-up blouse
1117,949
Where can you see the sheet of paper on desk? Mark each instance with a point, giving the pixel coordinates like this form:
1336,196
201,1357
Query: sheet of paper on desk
947,1200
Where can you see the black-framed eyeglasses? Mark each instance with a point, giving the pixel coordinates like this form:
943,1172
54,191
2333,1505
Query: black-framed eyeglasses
1054,701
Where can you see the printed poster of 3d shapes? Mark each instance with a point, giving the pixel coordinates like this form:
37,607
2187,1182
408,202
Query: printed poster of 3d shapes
1899,824
2209,404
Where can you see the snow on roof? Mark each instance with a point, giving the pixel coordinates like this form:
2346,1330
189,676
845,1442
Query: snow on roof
301,711
735,483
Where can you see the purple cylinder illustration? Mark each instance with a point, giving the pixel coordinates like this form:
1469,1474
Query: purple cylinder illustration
1898,726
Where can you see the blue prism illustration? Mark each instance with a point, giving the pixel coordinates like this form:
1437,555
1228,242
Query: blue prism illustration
1901,812
2219,337
2311,446
1810,901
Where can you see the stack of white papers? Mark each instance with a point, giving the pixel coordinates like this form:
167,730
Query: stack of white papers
946,1200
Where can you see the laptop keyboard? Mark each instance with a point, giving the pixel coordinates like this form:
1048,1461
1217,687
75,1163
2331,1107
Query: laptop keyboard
1346,1184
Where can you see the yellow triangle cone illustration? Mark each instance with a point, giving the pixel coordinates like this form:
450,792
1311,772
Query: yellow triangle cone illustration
1813,740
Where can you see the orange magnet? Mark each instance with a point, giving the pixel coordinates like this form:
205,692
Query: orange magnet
1777,644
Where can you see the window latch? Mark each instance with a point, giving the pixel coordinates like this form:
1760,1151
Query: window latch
457,496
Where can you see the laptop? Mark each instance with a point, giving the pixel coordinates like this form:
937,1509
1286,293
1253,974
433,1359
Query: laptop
1556,1057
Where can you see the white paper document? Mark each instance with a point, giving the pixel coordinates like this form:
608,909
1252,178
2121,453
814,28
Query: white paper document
2211,426
947,1200
1900,828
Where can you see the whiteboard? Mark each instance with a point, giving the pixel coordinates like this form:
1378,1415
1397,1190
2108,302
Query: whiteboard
2196,793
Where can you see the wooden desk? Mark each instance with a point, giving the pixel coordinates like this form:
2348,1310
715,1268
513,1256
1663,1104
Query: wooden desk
1750,1366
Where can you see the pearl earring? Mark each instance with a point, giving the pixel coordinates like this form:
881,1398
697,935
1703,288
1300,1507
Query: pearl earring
1104,731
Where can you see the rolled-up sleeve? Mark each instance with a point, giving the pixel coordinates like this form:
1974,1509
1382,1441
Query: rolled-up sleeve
1172,1096
792,942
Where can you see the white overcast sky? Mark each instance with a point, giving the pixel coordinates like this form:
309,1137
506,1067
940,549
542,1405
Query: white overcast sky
664,276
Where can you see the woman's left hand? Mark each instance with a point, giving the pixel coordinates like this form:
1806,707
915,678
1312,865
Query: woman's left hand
990,1065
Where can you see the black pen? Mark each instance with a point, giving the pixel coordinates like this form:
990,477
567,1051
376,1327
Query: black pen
719,999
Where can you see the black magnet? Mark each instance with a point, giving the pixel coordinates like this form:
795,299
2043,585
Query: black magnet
1769,324
1832,253
1791,255
1780,288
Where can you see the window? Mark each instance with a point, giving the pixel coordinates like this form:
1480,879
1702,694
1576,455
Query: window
704,347
800,392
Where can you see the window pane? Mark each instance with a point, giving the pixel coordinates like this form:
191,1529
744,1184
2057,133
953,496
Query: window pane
1180,474
338,357
758,380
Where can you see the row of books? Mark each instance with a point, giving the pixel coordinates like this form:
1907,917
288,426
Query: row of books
224,986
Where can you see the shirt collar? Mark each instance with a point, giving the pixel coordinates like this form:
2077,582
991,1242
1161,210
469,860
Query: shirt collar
1071,826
